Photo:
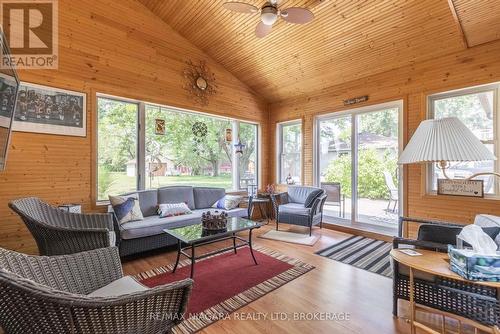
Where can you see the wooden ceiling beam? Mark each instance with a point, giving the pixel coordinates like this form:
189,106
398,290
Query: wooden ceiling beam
458,24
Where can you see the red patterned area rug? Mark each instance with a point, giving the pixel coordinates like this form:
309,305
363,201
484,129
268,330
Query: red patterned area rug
226,282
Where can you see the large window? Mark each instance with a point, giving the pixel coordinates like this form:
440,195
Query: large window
193,149
290,152
477,108
117,147
248,133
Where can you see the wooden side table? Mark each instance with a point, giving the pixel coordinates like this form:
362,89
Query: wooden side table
436,263
261,203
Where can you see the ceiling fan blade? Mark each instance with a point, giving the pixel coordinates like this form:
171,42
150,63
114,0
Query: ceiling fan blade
262,30
240,7
297,15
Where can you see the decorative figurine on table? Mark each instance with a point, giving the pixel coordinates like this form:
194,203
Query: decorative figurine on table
289,180
214,222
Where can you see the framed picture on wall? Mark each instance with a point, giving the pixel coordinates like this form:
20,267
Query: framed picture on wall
43,109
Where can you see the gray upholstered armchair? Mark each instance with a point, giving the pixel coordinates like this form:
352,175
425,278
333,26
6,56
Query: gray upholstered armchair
301,206
83,293
57,232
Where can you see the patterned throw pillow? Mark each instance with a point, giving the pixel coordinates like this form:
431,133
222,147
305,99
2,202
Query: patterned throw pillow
173,209
126,208
228,202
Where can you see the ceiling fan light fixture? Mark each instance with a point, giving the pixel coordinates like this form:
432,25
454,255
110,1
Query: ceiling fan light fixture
269,15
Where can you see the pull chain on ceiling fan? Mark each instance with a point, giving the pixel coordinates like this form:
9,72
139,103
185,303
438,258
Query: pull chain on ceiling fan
269,14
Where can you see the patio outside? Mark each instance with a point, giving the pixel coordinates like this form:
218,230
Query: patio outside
376,148
379,215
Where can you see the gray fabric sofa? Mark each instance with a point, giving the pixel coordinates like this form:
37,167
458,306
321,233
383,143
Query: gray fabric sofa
143,235
292,207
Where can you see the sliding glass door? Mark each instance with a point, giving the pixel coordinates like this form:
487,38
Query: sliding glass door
335,165
356,159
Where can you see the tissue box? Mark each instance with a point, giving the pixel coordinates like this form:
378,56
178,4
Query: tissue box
474,267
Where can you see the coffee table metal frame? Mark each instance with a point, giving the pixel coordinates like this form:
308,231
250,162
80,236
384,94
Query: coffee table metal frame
210,240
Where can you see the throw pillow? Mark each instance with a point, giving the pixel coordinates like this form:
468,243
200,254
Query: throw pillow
228,202
126,208
312,196
173,209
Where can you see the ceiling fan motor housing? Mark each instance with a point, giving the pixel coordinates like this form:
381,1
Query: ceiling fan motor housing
269,14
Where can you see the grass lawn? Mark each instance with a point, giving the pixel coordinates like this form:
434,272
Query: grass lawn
121,183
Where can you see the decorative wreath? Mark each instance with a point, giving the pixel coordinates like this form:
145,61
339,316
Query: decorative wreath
199,82
200,130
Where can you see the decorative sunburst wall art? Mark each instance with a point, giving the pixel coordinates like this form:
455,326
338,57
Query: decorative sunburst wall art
200,82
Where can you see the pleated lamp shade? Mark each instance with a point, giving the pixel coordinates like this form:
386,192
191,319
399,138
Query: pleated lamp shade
446,139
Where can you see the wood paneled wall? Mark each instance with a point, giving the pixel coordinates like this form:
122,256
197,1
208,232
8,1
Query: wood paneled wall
116,47
475,66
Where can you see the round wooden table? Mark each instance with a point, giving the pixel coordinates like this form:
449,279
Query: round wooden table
438,264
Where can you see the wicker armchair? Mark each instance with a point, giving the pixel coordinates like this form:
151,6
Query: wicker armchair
465,299
57,232
41,294
292,210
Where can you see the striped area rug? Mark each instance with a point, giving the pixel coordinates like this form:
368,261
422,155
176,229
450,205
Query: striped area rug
364,253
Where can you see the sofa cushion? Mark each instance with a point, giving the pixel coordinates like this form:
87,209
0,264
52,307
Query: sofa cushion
238,212
121,286
155,225
176,194
294,209
299,194
148,201
205,197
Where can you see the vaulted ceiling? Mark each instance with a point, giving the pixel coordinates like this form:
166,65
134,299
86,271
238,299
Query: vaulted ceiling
347,40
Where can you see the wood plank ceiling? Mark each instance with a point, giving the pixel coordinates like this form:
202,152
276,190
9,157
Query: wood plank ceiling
347,40
480,20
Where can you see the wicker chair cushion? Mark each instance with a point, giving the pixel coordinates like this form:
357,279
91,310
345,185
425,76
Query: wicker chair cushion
295,209
299,194
112,238
447,235
439,234
122,286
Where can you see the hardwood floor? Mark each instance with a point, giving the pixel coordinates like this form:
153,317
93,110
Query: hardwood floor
332,287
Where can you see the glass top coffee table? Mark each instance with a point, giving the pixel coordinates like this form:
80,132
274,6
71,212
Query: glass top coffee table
195,235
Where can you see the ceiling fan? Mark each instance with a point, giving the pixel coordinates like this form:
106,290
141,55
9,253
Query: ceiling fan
269,14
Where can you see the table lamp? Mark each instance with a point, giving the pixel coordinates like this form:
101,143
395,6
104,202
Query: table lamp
444,140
